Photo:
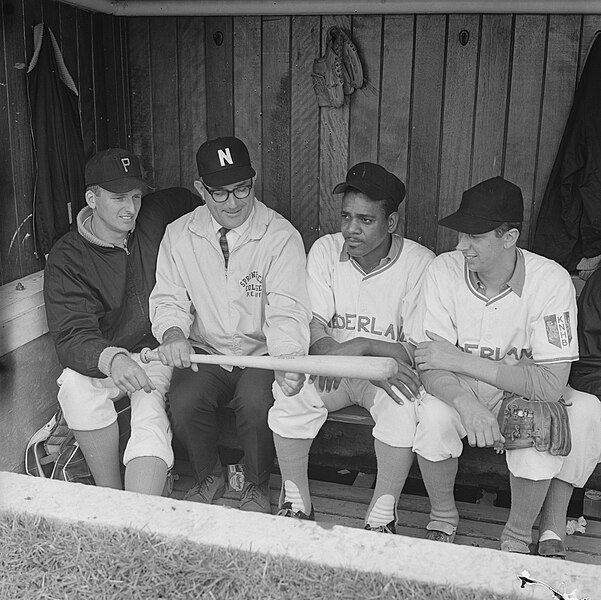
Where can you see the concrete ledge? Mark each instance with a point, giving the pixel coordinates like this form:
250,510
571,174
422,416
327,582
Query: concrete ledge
409,558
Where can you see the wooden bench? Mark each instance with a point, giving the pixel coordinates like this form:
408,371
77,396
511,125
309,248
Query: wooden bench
346,441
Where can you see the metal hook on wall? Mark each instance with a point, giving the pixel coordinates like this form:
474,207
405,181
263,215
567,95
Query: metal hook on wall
218,38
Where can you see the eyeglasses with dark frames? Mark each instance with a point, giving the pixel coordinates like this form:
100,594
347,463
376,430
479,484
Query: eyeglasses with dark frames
222,195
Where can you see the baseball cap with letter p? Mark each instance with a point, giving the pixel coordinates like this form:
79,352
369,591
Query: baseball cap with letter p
115,170
486,206
224,161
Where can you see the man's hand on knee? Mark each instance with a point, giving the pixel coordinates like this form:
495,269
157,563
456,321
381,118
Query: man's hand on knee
290,383
480,423
129,376
404,385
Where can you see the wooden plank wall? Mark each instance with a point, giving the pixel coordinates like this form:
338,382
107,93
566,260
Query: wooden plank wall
440,114
93,50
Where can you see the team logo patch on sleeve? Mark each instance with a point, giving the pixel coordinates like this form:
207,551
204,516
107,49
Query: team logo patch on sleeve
559,329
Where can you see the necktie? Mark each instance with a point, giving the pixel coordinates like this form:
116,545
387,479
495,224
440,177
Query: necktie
223,243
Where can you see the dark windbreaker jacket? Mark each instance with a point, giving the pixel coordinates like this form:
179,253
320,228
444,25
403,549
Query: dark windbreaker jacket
96,294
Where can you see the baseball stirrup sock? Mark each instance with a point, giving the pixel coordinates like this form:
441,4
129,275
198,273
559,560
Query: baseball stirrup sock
146,475
100,448
382,512
555,509
393,467
527,497
293,460
439,480
292,494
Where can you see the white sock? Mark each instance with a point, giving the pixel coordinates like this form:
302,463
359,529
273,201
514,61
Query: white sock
548,535
382,512
292,494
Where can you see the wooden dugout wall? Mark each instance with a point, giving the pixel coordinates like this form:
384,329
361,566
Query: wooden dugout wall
440,114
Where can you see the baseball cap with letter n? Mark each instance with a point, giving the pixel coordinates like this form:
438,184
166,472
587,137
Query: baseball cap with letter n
115,170
224,161
374,181
486,206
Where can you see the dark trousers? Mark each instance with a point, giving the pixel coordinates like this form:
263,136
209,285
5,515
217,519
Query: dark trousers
193,400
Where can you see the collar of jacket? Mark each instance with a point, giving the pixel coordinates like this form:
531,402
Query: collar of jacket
201,224
84,214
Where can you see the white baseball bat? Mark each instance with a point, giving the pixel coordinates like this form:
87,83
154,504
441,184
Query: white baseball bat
357,367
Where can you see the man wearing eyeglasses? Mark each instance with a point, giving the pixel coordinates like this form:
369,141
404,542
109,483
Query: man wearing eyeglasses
230,280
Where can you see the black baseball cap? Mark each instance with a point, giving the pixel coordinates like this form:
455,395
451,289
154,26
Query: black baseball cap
487,205
374,181
224,161
115,170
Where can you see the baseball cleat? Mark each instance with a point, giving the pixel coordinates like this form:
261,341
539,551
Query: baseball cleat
389,528
551,549
515,546
440,536
287,511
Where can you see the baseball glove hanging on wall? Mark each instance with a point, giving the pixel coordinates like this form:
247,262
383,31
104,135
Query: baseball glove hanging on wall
339,72
543,425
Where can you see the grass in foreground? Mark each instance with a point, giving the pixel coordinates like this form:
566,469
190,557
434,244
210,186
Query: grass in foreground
40,559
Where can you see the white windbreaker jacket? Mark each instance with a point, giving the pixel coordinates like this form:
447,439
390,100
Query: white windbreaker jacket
259,305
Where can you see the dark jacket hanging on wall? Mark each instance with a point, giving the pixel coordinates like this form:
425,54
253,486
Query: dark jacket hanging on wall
569,222
59,188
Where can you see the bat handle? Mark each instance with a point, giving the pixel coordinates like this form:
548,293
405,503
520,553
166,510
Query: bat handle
146,355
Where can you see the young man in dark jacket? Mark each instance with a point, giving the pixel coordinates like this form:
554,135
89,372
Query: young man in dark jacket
96,286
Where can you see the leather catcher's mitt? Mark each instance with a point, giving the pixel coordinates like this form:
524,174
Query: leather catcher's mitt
339,71
525,423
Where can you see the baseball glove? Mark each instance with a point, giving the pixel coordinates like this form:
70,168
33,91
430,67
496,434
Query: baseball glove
339,71
525,423
353,69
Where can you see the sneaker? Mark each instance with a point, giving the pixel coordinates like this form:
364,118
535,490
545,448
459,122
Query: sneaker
287,511
211,489
440,536
390,528
551,549
255,498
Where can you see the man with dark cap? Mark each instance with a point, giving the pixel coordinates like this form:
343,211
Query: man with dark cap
493,318
359,282
230,280
96,286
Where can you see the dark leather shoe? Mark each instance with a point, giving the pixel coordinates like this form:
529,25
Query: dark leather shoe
551,549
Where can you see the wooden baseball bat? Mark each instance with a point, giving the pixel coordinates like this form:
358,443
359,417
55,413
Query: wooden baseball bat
327,365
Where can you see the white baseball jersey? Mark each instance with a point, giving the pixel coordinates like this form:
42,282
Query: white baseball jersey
534,319
352,303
